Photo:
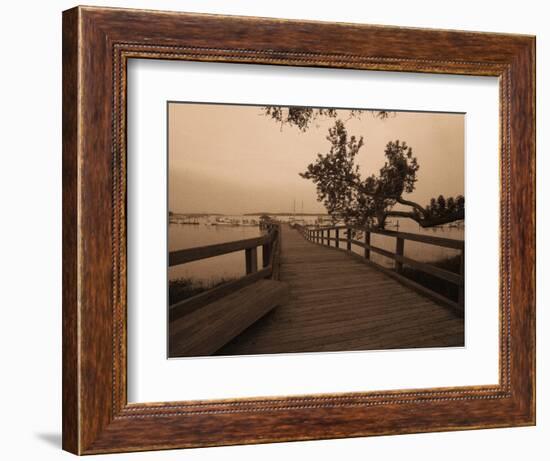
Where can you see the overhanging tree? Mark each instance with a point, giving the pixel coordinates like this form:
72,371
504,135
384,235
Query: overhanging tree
370,201
302,117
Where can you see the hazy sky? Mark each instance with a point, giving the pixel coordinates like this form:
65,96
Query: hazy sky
232,159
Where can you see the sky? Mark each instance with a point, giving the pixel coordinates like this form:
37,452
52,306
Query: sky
232,159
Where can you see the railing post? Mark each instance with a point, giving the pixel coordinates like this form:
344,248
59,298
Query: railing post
348,243
337,236
266,253
367,244
461,285
399,250
328,237
251,260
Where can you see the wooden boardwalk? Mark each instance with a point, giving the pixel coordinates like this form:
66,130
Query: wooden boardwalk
338,302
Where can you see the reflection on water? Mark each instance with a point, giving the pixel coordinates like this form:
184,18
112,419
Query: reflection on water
181,236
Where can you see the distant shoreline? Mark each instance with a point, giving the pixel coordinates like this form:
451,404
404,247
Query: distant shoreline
197,215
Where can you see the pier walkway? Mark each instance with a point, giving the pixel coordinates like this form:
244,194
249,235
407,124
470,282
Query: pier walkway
338,301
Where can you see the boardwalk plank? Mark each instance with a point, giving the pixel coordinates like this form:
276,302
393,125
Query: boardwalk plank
205,330
337,303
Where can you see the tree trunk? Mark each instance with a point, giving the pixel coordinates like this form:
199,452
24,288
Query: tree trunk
381,220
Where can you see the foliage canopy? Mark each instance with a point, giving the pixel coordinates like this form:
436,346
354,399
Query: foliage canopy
369,201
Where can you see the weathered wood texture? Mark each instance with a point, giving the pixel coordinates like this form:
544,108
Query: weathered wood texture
197,253
311,233
438,241
97,45
270,245
196,302
338,303
207,329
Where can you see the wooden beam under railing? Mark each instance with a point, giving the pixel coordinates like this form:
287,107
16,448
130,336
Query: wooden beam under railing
271,244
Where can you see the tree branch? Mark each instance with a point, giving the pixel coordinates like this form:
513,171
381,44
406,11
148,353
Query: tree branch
414,205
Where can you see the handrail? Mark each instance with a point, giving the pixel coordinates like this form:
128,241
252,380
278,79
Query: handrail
317,235
208,251
438,241
270,243
193,303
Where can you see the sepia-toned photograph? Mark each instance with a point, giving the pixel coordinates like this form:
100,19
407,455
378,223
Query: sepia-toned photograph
313,229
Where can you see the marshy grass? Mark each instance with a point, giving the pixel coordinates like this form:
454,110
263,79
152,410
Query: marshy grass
187,287
447,289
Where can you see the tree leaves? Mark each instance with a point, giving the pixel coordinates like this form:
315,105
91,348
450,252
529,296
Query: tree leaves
303,117
369,202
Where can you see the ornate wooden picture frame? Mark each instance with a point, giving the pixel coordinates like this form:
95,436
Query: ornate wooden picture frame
97,44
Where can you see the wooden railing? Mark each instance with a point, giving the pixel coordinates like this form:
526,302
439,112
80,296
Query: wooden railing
270,243
342,236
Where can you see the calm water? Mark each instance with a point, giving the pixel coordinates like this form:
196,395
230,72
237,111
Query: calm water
414,250
232,265
181,236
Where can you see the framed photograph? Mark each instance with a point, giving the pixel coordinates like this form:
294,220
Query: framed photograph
300,296
281,230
